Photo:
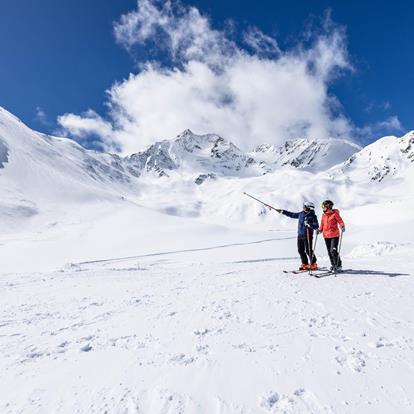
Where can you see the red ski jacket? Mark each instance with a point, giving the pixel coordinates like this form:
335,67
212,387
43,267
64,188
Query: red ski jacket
329,223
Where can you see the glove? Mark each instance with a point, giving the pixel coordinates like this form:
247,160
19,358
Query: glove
307,224
343,229
318,231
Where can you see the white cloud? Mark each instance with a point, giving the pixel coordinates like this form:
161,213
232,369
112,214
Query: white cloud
249,95
87,125
41,116
261,43
391,125
181,31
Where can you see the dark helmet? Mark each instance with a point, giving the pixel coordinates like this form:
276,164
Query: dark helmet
327,204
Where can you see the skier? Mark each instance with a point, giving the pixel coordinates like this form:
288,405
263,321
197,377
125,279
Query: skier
308,222
329,227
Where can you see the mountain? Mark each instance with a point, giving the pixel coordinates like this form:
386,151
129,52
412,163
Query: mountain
44,174
207,154
387,158
211,156
191,175
199,156
307,154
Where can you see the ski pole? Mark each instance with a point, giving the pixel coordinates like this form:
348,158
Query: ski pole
309,249
339,250
260,201
314,246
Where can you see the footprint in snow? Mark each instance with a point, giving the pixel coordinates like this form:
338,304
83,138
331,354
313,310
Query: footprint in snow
276,403
244,347
270,400
383,342
354,359
201,332
182,359
202,349
62,347
300,401
86,348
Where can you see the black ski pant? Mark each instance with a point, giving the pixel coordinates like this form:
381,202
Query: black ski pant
332,246
305,249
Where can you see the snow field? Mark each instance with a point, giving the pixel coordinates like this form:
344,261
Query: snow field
210,331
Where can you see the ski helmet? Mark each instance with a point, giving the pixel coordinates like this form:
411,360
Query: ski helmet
309,205
327,204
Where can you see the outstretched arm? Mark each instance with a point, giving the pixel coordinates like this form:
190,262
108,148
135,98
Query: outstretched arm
291,215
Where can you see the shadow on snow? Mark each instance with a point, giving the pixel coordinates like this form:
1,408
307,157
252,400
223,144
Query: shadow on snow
371,273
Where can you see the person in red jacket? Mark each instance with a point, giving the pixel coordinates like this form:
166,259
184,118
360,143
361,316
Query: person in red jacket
330,223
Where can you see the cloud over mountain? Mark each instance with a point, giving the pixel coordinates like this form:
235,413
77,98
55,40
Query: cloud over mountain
196,76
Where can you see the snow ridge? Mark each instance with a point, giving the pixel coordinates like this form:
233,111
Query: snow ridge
305,153
385,158
197,172
208,153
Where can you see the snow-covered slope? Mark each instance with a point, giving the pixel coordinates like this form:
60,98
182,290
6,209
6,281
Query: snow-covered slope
43,174
386,159
199,176
41,166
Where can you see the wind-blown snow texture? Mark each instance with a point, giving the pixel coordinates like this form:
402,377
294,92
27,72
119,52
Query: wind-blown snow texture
150,284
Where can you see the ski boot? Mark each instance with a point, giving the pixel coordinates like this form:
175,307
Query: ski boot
303,266
336,269
313,266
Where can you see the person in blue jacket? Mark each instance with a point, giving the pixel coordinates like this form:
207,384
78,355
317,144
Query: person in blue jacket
307,223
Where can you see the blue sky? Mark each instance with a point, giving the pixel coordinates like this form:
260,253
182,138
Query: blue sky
62,57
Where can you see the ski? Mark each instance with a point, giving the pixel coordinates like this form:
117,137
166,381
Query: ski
331,272
295,272
323,274
298,272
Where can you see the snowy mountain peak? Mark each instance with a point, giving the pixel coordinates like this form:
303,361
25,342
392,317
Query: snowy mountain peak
388,156
5,116
407,145
190,152
305,153
212,155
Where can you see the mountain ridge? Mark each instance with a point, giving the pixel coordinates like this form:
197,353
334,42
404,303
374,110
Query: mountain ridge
192,174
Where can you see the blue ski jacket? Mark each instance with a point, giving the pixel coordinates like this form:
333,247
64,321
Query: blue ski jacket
309,217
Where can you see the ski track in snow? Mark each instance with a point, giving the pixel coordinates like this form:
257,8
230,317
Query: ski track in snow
222,246
192,335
